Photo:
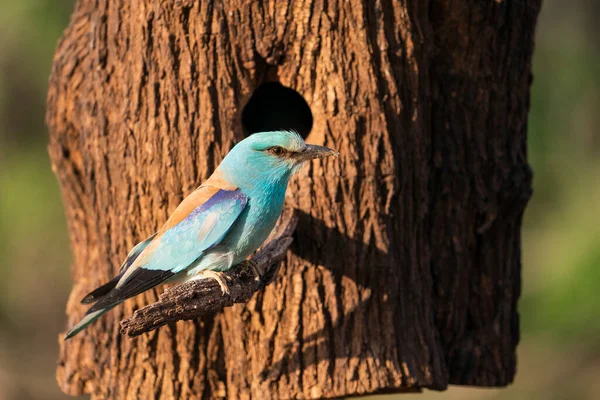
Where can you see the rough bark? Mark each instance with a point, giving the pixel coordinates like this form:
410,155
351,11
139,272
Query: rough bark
405,267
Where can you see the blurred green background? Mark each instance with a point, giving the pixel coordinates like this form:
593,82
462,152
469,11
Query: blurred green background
559,356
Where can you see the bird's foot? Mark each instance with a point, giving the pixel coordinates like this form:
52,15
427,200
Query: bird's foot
256,269
220,278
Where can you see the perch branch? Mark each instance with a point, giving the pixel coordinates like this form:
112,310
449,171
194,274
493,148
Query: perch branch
194,299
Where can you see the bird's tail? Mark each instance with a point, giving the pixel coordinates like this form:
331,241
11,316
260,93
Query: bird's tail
87,320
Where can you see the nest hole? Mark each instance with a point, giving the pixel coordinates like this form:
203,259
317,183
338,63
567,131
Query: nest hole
273,107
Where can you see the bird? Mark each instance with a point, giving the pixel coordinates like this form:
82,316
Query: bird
215,227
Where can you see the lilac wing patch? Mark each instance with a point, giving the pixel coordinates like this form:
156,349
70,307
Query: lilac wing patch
222,196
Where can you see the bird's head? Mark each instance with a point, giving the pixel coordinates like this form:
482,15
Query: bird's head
269,157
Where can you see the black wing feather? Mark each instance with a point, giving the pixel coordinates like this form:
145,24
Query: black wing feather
139,281
103,290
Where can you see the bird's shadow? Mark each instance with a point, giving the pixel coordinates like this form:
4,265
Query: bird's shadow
374,289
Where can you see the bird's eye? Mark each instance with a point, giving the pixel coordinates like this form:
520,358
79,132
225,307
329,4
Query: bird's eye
277,151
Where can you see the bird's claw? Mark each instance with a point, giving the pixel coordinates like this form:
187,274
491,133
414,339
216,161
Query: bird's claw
219,277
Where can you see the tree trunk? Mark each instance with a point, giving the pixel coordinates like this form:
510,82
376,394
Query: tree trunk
405,269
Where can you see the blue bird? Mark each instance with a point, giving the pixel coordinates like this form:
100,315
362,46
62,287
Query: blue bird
217,226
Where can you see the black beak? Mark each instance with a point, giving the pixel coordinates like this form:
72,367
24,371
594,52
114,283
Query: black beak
313,151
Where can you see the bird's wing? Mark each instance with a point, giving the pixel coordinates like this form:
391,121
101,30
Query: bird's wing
134,253
103,290
199,223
